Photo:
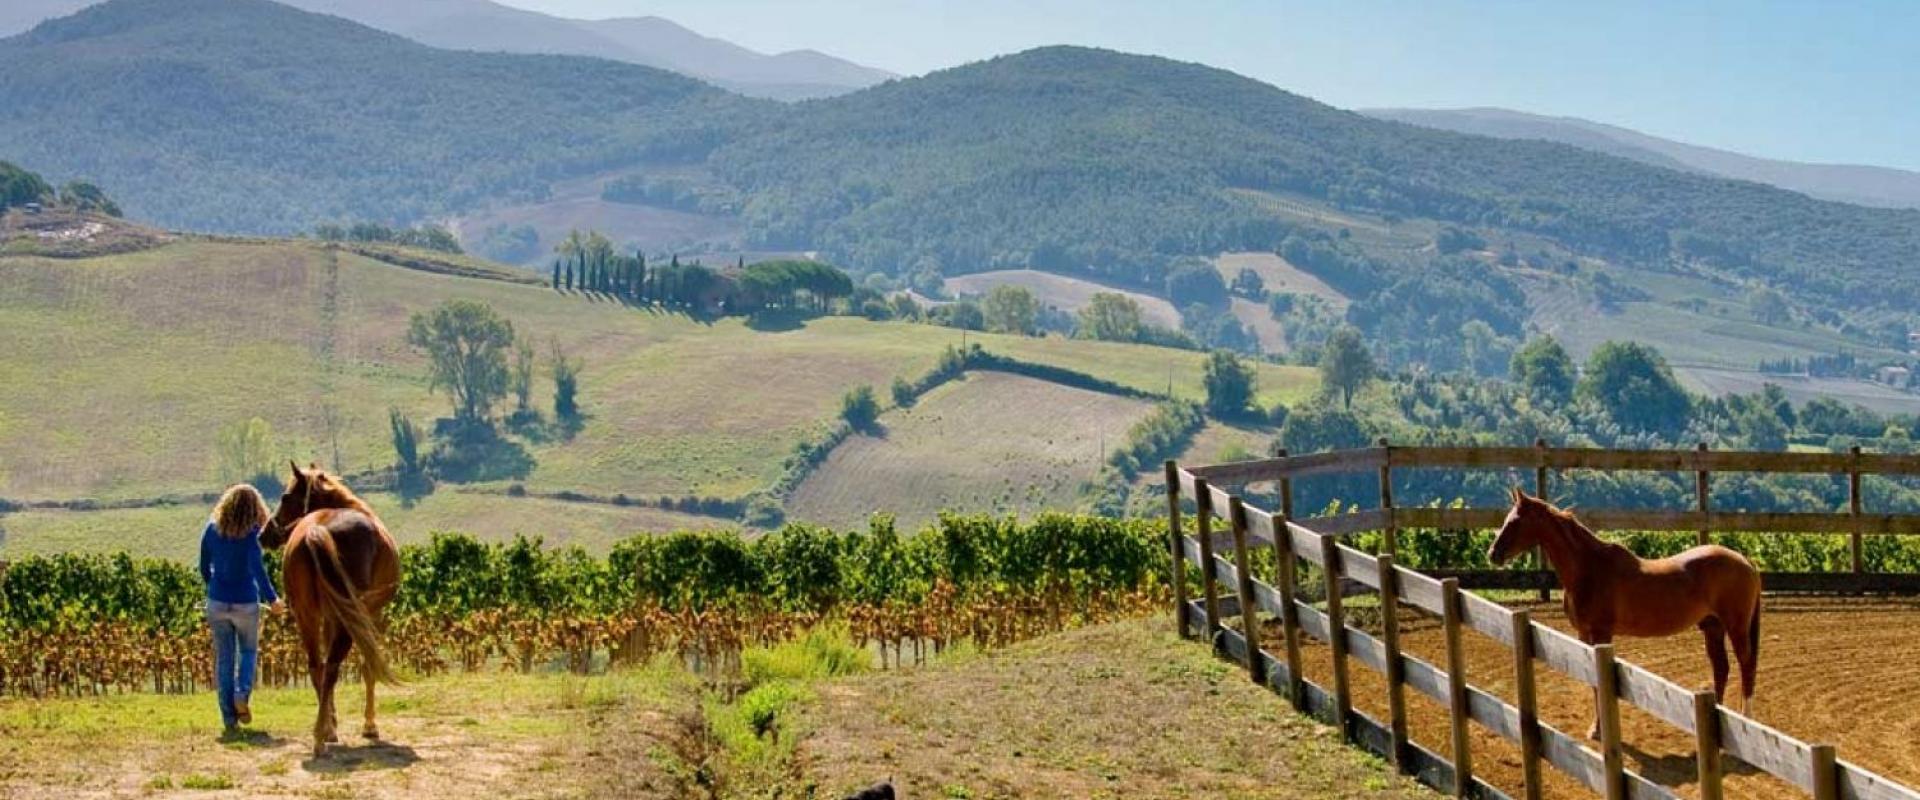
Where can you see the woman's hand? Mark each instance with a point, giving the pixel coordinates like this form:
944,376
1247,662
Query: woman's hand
279,606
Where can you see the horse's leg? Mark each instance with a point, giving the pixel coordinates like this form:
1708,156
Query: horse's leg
312,633
1741,629
1716,635
336,654
1597,638
370,730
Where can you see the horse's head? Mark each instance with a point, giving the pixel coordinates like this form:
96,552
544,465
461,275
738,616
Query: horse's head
311,489
1529,518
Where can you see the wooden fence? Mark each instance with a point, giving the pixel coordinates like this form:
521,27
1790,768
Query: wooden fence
1813,768
1703,519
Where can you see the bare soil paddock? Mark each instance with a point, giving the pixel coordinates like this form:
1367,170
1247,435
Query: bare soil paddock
1832,670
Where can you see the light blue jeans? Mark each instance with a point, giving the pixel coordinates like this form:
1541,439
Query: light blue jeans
236,650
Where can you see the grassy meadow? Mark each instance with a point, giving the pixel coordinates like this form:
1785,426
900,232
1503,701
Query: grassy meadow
173,531
122,371
1046,441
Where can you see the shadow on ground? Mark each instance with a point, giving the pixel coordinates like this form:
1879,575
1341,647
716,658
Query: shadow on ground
340,759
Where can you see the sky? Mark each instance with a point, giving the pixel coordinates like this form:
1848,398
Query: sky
1824,82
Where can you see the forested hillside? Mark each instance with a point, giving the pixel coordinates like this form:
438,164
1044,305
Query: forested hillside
242,115
249,116
1069,156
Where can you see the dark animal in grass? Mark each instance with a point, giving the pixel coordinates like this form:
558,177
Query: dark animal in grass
878,791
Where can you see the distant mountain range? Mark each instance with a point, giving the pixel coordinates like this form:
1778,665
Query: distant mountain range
1847,183
484,26
249,116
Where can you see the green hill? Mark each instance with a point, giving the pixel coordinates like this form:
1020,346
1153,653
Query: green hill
250,116
247,115
162,350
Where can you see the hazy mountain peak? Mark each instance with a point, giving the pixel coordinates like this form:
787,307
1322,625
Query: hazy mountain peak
486,26
1847,183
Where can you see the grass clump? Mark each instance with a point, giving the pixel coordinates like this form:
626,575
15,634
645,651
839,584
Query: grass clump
826,652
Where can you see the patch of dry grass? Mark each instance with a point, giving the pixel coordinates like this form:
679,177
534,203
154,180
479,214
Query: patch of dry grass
1120,710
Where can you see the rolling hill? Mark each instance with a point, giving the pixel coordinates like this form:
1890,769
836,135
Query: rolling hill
1846,183
249,116
483,26
165,348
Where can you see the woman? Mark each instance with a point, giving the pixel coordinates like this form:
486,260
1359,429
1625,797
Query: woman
237,583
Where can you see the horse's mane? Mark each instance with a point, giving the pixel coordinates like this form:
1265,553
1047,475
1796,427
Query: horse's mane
337,493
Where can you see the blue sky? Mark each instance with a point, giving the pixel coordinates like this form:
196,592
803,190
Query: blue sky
1828,82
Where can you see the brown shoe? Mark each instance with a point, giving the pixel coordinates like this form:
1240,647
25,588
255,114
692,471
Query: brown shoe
243,713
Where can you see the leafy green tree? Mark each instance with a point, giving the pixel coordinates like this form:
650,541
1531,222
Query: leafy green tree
466,345
1196,281
83,196
20,187
1637,388
566,384
1320,427
406,442
962,314
1762,428
860,408
1230,383
1250,284
522,377
244,453
1544,369
1768,305
1011,309
1345,364
1110,317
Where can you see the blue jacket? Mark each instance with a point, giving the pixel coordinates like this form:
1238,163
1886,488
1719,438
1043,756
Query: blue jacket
233,569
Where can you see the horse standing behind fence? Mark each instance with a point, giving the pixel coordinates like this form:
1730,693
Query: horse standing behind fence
1609,590
340,569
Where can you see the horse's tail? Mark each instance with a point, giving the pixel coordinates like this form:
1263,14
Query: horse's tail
341,601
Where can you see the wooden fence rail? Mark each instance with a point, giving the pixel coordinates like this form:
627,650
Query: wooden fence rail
1702,520
1813,768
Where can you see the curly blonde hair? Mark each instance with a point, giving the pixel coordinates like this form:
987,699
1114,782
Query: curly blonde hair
240,511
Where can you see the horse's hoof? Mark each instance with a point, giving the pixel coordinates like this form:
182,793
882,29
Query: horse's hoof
1593,733
333,738
370,733
320,750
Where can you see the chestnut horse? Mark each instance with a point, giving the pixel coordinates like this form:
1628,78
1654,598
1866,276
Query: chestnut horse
1608,590
339,570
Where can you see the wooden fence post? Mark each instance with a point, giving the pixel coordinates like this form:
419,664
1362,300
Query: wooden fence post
1536,562
1826,774
1607,690
1458,714
1249,611
1706,732
1203,524
1174,537
1284,566
1525,699
1702,481
1853,507
1392,530
1337,635
1396,669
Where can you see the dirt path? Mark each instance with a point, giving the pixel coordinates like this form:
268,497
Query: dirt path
456,737
1836,671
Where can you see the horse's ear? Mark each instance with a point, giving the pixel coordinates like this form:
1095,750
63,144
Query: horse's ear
1514,493
297,474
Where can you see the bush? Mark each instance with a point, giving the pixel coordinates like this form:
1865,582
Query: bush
859,408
